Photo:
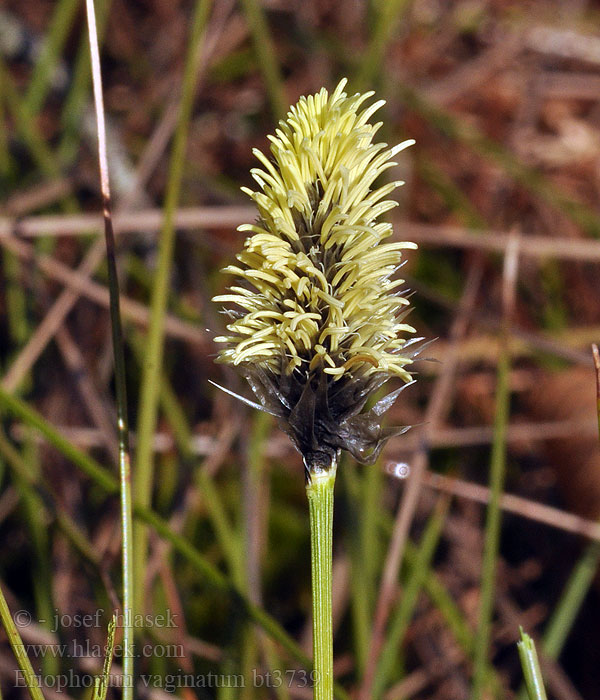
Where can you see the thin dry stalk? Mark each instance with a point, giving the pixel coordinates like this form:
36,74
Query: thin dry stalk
126,222
41,195
131,309
560,519
191,218
78,224
52,321
119,361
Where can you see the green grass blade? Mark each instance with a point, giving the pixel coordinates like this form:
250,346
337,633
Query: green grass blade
267,58
41,567
492,530
54,41
385,25
6,161
67,525
531,668
400,619
26,128
18,648
25,125
102,682
149,392
579,583
568,607
362,586
16,300
363,488
87,464
223,528
453,195
219,519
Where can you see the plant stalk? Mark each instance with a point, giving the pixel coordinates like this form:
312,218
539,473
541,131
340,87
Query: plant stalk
149,392
531,668
119,361
16,643
320,501
497,474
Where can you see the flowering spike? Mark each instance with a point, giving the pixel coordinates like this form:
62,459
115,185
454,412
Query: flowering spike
320,322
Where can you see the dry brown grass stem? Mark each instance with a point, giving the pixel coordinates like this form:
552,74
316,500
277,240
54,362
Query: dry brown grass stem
554,517
56,315
131,309
41,195
125,222
443,438
189,218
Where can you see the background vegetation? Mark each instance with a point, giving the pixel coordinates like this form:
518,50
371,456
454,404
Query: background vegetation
501,195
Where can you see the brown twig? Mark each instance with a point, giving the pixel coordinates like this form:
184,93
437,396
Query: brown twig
191,218
554,517
98,293
442,438
41,195
125,222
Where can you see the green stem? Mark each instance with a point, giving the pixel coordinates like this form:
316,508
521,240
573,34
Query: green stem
320,500
18,648
385,28
266,56
401,617
149,391
54,41
492,530
531,668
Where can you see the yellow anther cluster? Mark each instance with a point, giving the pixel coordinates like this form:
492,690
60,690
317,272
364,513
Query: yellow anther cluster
319,291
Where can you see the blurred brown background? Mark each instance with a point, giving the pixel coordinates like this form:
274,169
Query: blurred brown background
503,100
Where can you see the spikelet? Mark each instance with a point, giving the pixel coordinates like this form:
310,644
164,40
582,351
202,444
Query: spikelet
321,325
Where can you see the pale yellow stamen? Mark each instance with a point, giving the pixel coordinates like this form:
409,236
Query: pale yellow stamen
321,288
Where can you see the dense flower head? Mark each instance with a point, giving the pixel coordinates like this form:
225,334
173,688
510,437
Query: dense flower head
321,325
